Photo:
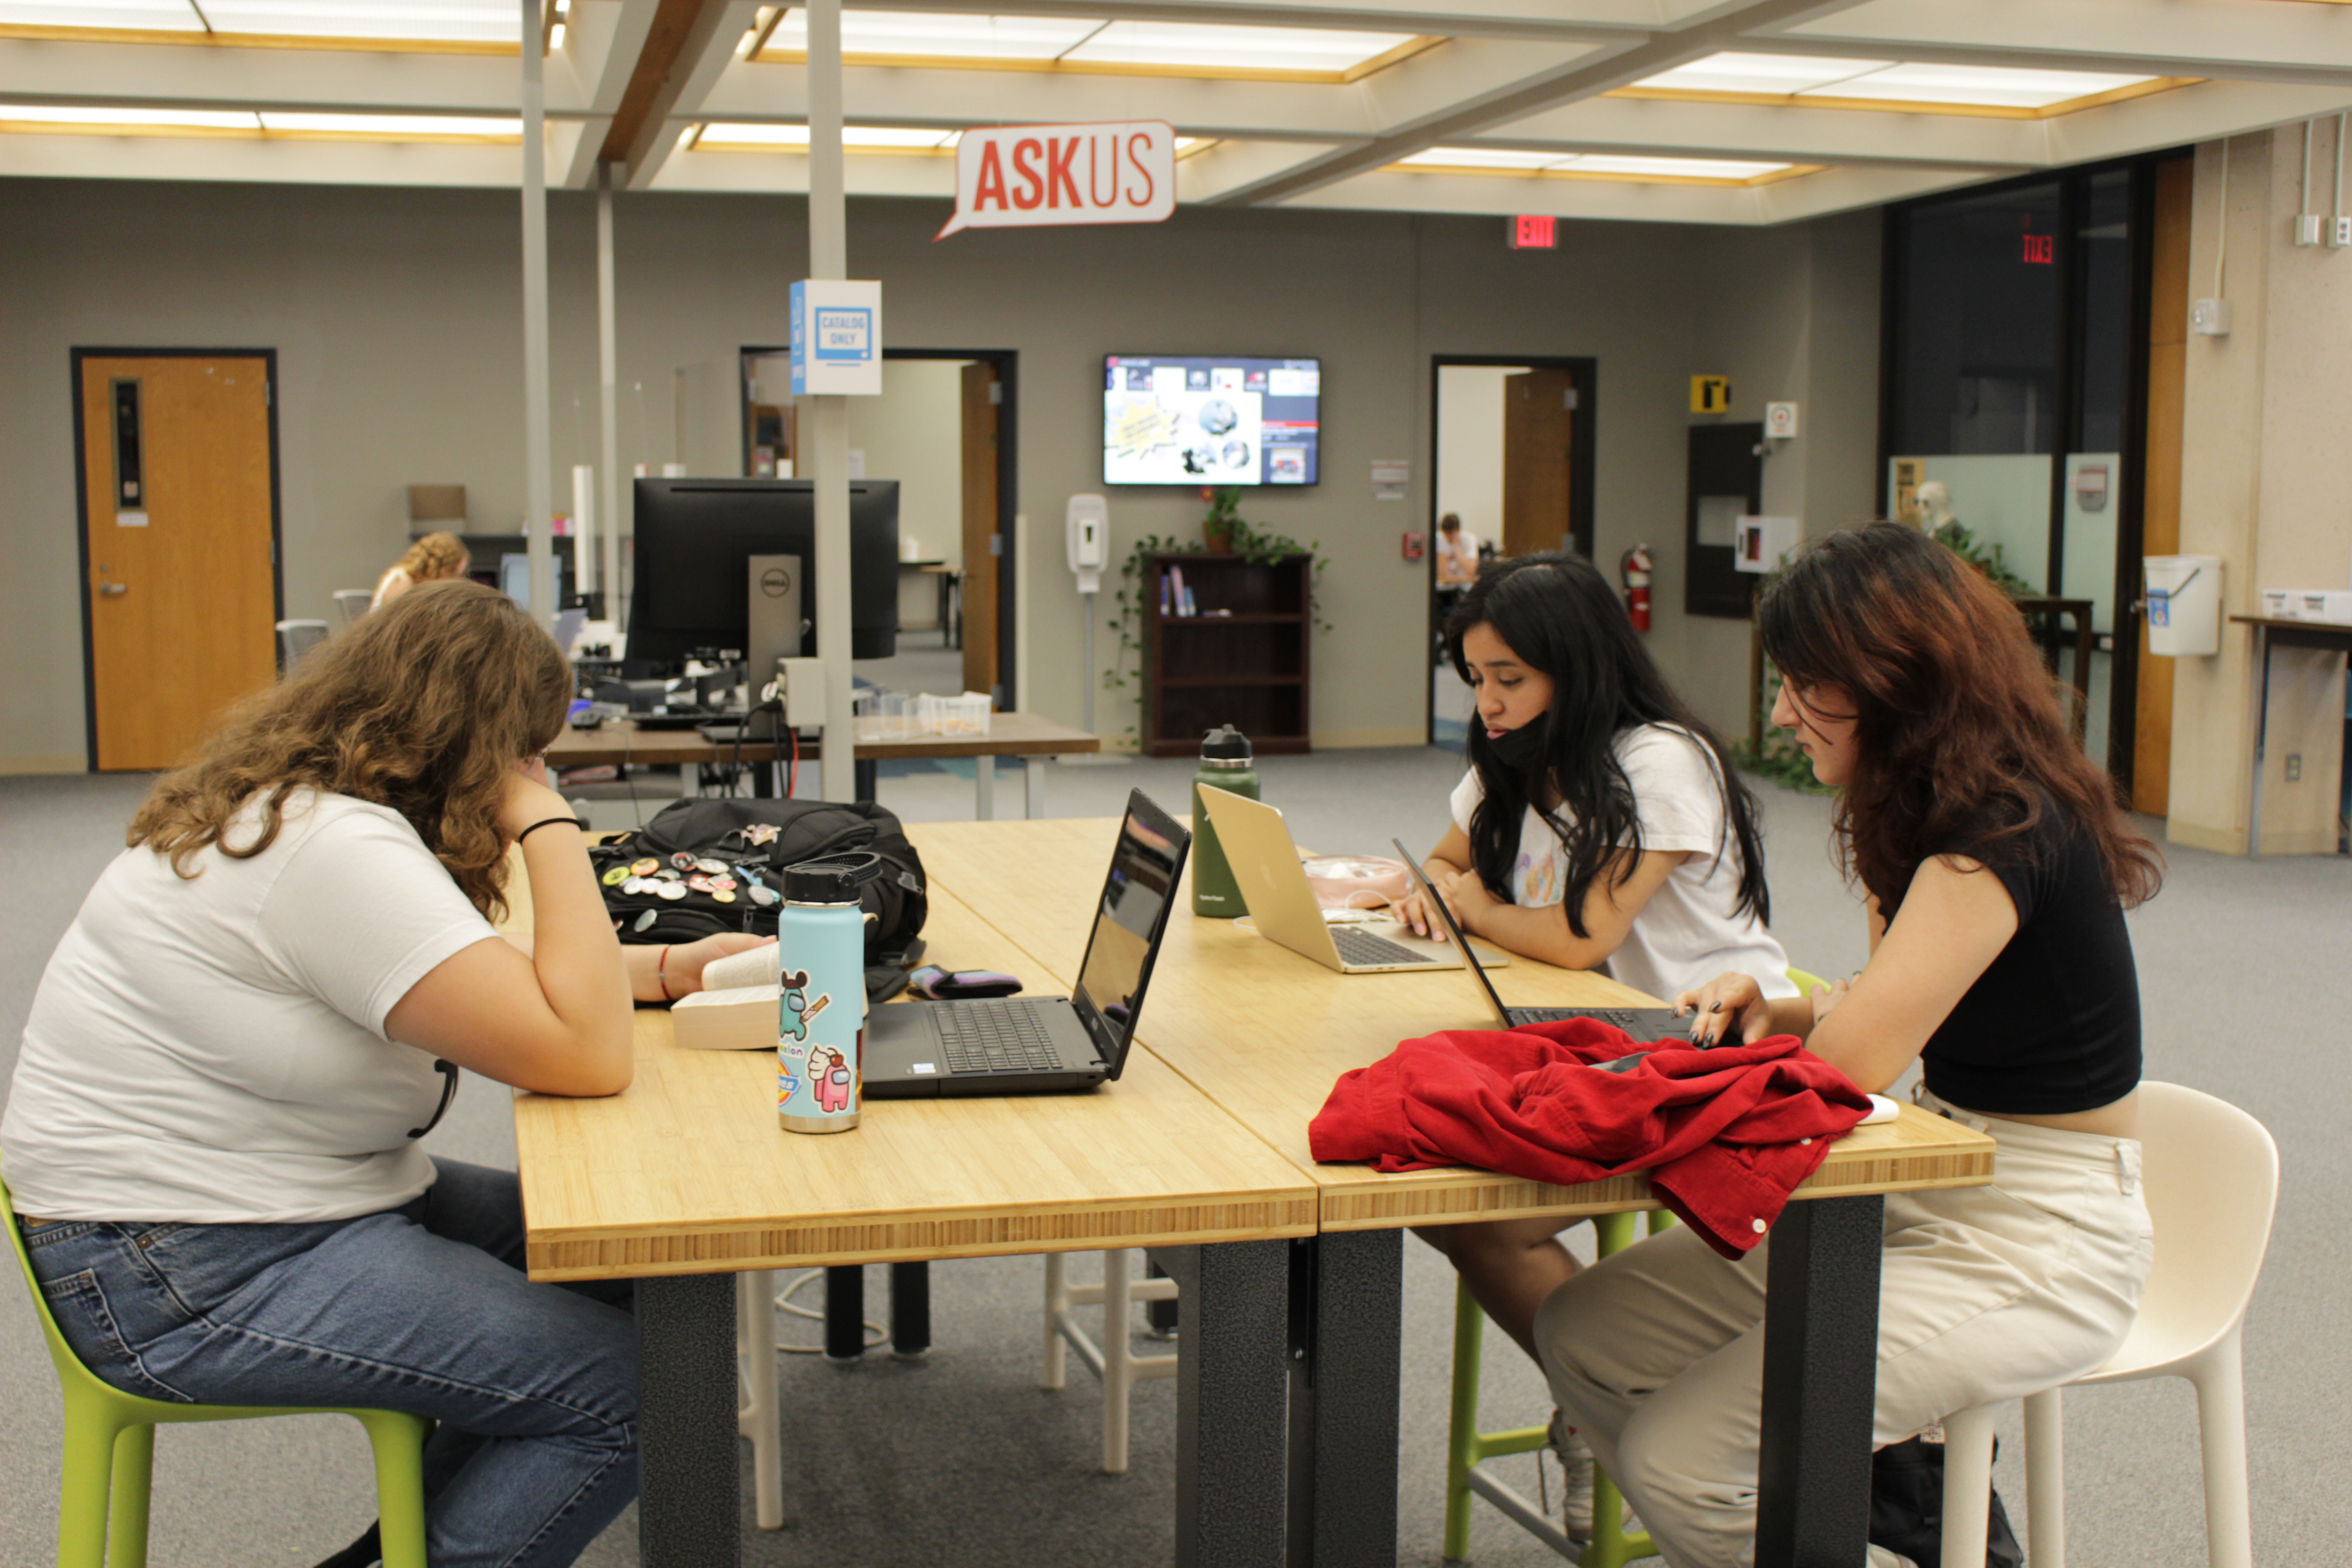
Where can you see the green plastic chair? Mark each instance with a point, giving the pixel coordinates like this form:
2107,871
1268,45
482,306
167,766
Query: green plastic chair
1612,1545
109,1454
1806,982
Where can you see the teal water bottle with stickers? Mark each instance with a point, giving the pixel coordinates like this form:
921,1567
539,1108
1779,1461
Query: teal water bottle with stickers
820,1021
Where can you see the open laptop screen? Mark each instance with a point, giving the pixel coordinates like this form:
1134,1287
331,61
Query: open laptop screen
1129,920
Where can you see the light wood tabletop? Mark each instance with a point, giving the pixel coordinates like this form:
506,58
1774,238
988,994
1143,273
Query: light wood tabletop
688,1173
623,743
1266,1032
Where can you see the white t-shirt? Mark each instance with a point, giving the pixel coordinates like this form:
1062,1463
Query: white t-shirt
1688,933
213,1049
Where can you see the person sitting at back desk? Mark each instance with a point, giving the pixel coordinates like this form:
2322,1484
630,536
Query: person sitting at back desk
437,557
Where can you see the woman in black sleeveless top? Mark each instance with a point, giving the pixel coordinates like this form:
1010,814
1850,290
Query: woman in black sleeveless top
1997,866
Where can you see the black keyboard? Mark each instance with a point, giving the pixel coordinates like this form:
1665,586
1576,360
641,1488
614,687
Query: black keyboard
996,1036
1622,1017
1356,946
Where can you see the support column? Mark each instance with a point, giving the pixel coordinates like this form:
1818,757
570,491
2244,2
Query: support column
829,258
538,450
616,509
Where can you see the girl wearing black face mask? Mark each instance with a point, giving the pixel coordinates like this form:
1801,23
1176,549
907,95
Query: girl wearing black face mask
1601,826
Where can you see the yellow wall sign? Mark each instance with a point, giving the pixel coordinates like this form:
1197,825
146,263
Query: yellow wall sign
1710,395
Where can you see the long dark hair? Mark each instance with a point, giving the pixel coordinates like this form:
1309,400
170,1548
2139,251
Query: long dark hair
1960,735
1560,617
425,706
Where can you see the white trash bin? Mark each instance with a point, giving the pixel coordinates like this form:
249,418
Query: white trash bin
2184,605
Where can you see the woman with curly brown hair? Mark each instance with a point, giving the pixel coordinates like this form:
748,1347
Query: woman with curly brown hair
1996,865
262,1006
435,558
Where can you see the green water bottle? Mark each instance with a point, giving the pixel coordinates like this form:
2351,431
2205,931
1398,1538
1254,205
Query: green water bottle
1224,764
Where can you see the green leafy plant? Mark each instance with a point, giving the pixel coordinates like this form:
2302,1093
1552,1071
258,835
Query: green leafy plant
1246,540
1986,558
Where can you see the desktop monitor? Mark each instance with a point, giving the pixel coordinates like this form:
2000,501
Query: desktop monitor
695,539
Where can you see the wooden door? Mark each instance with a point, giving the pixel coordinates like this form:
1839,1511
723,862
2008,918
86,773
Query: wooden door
982,394
2167,350
1537,406
179,531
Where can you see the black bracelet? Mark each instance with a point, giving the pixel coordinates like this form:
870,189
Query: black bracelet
549,822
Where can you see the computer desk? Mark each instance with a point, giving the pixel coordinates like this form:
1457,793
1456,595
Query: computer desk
1036,741
1264,1032
685,1179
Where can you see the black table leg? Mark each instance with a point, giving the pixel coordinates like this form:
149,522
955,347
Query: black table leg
1233,1365
688,1512
911,1308
1161,1315
844,1312
1347,1313
1821,1384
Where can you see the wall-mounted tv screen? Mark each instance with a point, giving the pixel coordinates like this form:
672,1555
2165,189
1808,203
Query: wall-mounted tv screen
1210,419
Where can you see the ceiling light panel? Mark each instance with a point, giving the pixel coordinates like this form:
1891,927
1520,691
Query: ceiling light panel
395,126
142,15
1674,168
1487,158
439,21
940,35
795,138
1183,45
1990,86
1761,73
157,118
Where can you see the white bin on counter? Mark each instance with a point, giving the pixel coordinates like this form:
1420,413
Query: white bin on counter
2184,605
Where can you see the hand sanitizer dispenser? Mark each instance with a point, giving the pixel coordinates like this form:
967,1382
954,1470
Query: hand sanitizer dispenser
1088,524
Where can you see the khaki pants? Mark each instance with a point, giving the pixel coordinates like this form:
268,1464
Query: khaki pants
1656,1355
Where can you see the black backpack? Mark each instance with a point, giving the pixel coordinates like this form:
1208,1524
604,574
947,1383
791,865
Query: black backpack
750,842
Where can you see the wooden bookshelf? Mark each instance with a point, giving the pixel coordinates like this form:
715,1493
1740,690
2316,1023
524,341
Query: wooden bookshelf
1241,660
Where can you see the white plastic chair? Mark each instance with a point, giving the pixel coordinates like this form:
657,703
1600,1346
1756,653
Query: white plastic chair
2211,1173
1114,1360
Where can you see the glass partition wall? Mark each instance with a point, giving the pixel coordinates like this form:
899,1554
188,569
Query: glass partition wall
2013,399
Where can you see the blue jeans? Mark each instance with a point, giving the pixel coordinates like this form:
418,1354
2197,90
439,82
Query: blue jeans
423,1307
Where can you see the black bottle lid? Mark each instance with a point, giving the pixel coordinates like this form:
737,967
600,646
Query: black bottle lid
836,880
1226,743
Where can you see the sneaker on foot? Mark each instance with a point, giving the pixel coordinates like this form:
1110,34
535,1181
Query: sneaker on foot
1576,1479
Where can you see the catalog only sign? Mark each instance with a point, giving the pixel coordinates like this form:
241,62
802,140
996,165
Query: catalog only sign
1023,176
836,338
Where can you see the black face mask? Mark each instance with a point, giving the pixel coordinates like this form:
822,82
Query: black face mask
1522,748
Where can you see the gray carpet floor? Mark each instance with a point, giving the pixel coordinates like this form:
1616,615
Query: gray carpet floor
2246,971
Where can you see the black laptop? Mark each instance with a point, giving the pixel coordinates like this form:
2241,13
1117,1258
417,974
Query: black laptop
1046,1045
1645,1023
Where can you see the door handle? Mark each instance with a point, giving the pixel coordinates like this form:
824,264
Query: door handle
113,590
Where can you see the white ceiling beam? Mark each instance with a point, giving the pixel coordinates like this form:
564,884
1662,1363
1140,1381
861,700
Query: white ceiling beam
769,173
2253,40
709,50
1394,190
600,46
1686,129
330,80
1215,172
1605,68
1589,21
263,160
2201,113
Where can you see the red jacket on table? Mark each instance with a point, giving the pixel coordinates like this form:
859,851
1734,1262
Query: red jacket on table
1724,1134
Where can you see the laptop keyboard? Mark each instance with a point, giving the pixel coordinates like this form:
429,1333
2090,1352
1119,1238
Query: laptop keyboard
1624,1019
1357,946
996,1036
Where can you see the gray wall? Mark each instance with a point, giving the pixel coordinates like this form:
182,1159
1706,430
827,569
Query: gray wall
396,315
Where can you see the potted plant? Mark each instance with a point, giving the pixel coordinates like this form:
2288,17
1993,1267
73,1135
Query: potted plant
1223,519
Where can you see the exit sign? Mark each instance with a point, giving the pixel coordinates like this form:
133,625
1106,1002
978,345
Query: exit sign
1534,232
2039,251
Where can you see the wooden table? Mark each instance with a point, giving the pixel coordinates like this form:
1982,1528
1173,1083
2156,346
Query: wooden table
1263,1032
1025,735
2270,632
685,1179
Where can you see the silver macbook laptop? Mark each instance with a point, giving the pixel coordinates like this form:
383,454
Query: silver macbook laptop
1641,1023
1046,1045
1281,904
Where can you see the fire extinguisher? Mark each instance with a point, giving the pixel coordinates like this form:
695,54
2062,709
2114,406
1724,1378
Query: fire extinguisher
1635,567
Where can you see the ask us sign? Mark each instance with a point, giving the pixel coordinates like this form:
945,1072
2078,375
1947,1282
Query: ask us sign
1022,176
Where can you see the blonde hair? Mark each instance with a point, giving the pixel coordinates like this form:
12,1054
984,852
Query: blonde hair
424,706
434,557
